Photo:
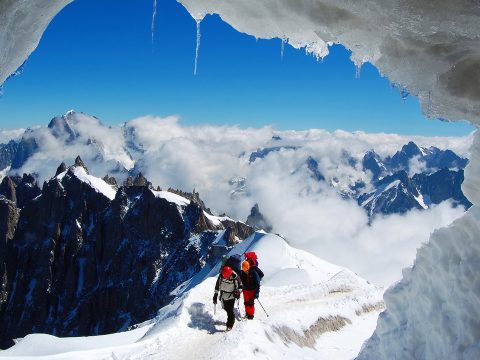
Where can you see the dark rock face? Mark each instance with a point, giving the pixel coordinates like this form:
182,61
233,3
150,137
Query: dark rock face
236,231
76,263
19,190
8,223
442,185
25,149
398,193
7,153
371,161
257,221
400,160
395,194
14,154
312,165
262,153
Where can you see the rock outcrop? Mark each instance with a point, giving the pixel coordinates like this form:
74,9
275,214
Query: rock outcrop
76,261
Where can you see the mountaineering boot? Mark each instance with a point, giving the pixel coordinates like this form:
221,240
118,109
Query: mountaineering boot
228,328
250,317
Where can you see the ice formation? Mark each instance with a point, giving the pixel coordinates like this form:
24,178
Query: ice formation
22,24
154,14
425,46
197,48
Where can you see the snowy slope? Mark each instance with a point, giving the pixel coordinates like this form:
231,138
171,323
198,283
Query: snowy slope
305,297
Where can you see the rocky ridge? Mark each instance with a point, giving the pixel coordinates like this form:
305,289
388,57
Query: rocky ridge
83,256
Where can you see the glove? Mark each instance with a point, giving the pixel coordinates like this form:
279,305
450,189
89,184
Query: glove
257,294
236,294
215,297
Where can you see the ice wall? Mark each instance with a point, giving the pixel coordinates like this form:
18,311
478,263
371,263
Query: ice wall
22,23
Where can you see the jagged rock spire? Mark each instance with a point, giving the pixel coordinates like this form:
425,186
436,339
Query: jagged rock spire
110,180
79,162
61,168
257,220
140,180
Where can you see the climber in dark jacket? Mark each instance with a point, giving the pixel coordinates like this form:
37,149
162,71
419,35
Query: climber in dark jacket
251,277
228,286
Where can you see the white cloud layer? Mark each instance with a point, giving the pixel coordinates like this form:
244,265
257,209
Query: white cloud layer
309,214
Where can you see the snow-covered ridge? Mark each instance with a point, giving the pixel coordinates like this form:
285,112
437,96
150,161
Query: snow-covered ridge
97,184
317,310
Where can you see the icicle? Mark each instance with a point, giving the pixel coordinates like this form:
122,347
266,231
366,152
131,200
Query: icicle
282,48
198,47
153,18
358,68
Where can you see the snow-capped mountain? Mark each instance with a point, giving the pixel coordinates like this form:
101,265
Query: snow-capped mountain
316,310
83,256
440,179
65,137
394,182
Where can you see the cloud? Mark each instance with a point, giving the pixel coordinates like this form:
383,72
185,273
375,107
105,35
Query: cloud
416,166
10,134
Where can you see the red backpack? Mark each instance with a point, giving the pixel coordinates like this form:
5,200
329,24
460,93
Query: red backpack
251,257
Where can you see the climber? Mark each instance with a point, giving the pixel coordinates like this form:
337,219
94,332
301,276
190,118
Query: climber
229,286
251,276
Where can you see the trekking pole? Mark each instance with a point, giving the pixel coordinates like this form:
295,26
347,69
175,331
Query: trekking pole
262,307
214,309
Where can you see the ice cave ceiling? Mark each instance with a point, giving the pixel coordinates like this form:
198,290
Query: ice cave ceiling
432,48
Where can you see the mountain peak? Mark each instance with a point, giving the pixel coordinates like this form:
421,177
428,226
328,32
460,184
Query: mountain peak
411,149
79,163
61,168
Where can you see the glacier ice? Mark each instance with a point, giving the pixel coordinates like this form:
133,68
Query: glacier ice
22,24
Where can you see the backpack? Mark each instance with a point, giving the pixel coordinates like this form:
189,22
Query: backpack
252,258
235,262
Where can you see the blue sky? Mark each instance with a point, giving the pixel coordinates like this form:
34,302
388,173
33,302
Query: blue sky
98,57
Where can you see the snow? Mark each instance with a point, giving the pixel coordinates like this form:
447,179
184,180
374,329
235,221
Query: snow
98,184
421,201
171,197
300,316
434,312
47,346
216,220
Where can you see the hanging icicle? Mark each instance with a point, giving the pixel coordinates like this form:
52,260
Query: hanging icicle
358,69
282,48
198,47
153,18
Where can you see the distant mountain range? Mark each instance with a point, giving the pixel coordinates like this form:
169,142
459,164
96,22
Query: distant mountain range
394,188
411,178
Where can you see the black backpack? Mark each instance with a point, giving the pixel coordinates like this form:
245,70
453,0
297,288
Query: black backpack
235,262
